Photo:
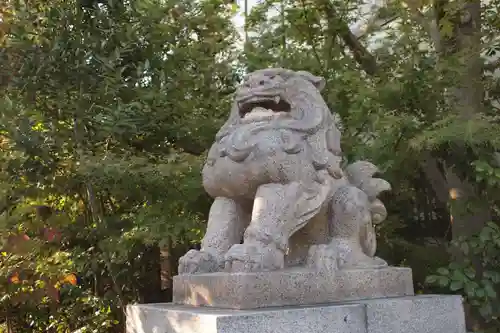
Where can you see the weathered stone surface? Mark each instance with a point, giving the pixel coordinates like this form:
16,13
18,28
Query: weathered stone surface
275,168
422,314
297,286
416,314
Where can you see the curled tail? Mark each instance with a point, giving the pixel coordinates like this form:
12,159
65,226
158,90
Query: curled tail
360,174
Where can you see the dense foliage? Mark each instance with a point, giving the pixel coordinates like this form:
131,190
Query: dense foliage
108,107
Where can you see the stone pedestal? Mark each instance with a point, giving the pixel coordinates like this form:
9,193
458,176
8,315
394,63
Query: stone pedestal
300,300
297,286
408,314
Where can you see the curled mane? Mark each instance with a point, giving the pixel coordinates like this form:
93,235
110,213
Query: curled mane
310,129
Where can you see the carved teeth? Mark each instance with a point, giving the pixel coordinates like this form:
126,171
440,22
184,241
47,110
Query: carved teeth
259,112
277,99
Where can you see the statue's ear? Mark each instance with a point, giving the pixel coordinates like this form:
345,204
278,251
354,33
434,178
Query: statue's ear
317,81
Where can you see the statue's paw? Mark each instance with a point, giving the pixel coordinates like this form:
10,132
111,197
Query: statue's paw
364,262
197,262
323,257
253,258
377,262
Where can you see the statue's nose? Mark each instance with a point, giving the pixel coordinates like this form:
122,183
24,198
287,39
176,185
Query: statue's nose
257,82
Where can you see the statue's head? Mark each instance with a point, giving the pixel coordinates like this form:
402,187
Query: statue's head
274,94
284,104
278,97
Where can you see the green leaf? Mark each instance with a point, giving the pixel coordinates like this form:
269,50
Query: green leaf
486,310
431,279
446,27
495,277
481,166
470,273
458,275
443,281
474,243
443,271
465,248
456,285
484,236
234,7
493,226
469,289
489,290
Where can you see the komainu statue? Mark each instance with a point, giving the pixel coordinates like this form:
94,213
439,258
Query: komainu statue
281,196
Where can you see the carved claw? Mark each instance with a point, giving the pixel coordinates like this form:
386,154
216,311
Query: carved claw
197,262
351,256
253,258
323,257
362,261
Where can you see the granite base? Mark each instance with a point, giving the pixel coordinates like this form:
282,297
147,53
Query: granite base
415,314
298,286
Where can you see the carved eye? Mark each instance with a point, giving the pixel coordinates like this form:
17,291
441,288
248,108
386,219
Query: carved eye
272,77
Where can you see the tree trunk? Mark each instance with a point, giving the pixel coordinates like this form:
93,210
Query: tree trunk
151,291
466,101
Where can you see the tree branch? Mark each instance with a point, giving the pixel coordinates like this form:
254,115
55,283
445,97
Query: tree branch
374,21
431,27
338,27
309,35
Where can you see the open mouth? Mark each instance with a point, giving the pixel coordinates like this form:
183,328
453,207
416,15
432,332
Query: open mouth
262,108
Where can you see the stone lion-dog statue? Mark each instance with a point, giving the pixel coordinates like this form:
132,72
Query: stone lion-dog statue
281,196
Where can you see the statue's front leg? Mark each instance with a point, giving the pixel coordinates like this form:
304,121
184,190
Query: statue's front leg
279,210
227,221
